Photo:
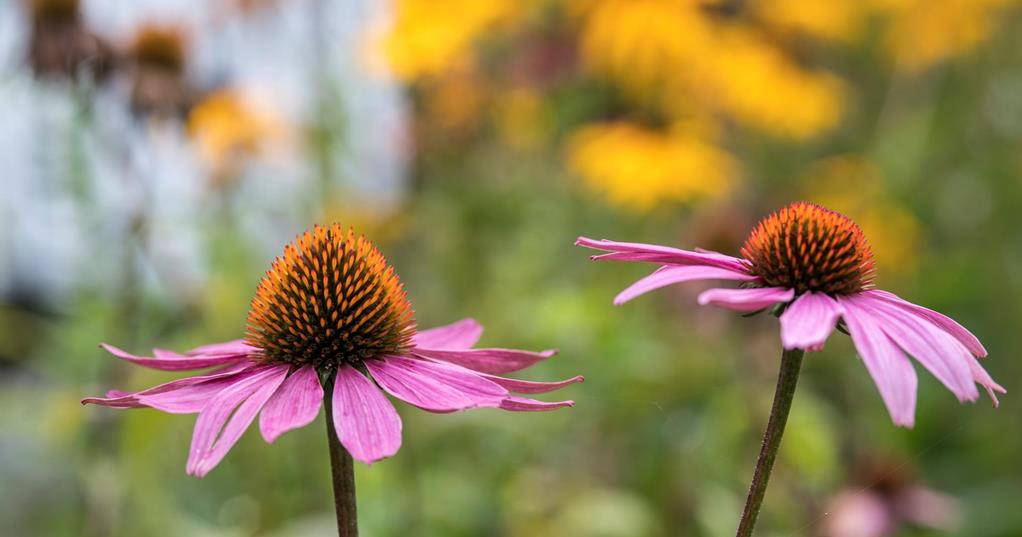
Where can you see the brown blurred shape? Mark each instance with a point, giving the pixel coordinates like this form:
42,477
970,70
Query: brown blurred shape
61,46
158,56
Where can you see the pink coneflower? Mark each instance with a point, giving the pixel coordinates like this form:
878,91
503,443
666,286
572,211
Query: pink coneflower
330,313
814,269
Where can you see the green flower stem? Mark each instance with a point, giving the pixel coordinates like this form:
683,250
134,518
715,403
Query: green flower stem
342,470
787,380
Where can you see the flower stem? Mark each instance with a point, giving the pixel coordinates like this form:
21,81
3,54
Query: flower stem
787,379
342,469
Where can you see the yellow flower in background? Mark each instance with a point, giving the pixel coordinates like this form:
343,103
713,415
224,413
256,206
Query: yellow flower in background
923,33
854,186
227,129
431,36
639,168
453,101
759,86
712,62
643,44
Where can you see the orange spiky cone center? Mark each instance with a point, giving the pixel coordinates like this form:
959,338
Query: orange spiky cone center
807,247
330,299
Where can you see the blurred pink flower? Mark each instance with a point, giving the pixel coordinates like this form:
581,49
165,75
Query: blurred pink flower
814,268
332,309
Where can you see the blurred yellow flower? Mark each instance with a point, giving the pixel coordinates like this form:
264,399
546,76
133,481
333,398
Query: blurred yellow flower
227,129
854,186
712,63
638,168
452,101
923,33
758,85
431,36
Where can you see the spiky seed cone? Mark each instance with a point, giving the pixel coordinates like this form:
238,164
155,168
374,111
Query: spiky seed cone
330,299
806,247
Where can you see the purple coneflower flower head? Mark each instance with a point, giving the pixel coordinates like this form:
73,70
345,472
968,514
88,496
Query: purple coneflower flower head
331,312
814,268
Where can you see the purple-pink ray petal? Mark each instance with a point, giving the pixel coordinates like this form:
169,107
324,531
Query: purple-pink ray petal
241,419
946,323
219,408
746,300
809,320
652,253
459,335
981,376
890,368
671,274
177,396
235,346
529,386
522,404
942,355
433,386
295,404
175,363
495,361
367,424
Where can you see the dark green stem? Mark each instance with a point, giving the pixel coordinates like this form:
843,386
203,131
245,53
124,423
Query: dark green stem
342,470
787,380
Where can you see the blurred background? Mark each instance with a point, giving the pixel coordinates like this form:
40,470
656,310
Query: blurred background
156,155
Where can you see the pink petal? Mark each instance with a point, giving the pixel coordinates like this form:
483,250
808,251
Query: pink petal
528,386
367,424
460,335
946,323
668,274
494,361
809,320
522,404
181,396
294,405
235,346
631,251
942,355
432,386
176,363
983,378
746,300
890,368
219,408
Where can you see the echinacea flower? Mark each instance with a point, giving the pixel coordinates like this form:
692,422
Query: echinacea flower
814,268
331,313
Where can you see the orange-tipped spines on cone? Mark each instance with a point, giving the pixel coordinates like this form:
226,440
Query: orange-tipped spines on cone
806,247
330,299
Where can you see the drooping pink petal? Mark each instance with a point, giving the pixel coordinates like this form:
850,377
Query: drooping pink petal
890,368
528,386
241,419
367,424
235,346
522,404
652,253
942,355
495,361
746,300
809,320
460,335
981,376
176,363
433,386
219,408
946,323
180,396
671,274
295,404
